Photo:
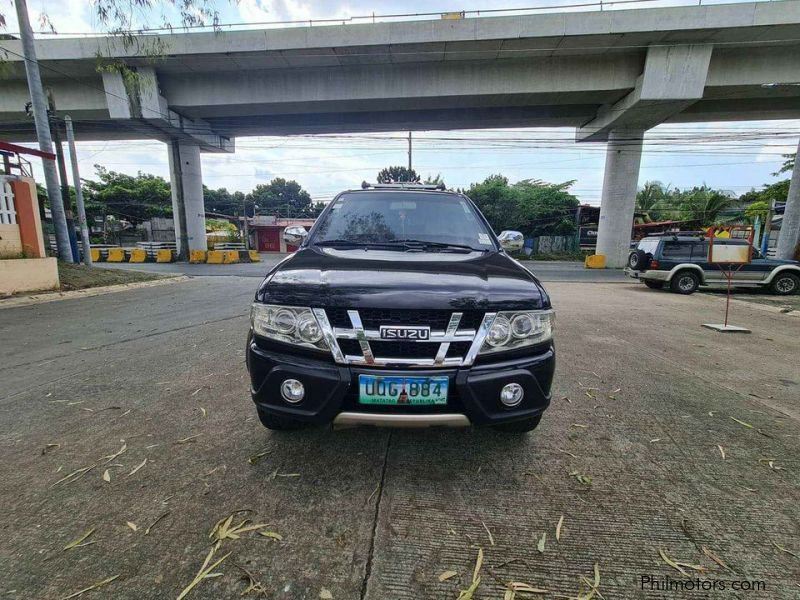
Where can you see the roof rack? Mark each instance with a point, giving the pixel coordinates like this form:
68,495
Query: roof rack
403,185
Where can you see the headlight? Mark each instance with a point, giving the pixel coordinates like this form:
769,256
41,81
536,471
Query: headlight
291,324
516,329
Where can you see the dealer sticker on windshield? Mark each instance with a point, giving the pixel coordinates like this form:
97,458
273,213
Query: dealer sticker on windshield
412,391
484,239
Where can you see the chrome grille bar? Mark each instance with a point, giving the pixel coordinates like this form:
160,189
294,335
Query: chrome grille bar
452,327
483,329
355,319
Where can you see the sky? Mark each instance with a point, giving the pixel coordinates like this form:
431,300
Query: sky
731,156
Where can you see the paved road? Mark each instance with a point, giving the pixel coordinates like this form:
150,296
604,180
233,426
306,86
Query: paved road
642,400
545,270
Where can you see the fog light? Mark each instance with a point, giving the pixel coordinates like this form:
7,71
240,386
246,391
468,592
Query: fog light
511,394
293,391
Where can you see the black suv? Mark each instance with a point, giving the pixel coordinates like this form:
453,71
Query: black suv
681,262
400,308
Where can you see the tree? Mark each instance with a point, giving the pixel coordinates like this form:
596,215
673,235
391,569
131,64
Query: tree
758,209
398,175
788,164
431,180
705,205
283,198
135,199
653,202
531,206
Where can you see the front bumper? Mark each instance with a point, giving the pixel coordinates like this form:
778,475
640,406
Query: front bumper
332,390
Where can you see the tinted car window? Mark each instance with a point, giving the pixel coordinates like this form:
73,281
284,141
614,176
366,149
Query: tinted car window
378,217
673,250
700,251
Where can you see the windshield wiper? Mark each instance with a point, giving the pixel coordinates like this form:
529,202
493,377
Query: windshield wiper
410,243
350,244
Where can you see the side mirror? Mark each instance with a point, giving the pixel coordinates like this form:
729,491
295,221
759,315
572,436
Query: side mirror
294,235
511,241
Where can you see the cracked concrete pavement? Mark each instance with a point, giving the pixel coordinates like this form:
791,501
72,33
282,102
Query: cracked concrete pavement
645,404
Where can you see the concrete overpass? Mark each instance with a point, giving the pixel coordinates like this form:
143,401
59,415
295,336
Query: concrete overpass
610,74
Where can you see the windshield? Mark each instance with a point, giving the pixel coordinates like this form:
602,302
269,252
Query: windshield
391,218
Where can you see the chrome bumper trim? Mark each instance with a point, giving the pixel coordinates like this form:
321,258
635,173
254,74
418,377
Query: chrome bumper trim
351,419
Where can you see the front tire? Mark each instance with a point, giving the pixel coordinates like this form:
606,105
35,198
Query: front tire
654,285
522,426
276,423
684,282
785,284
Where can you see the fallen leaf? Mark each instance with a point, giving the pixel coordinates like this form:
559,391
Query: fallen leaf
721,451
80,541
678,566
202,410
782,549
540,545
654,440
111,457
91,587
256,458
325,594
185,440
447,575
154,523
716,559
489,533
107,476
469,593
49,447
579,425
139,466
205,572
558,528
132,525
271,535
742,423
75,475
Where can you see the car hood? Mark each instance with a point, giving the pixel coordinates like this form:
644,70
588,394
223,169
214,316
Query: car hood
358,278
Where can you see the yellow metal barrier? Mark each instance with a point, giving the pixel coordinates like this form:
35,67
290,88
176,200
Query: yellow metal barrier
96,255
215,257
138,255
164,255
231,256
116,255
254,256
595,261
197,256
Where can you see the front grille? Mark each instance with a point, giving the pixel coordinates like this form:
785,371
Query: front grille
404,349
402,352
373,318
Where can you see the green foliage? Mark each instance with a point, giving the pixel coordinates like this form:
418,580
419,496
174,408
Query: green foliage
704,205
653,202
134,198
223,202
777,192
788,164
398,175
530,206
758,209
431,180
284,198
220,225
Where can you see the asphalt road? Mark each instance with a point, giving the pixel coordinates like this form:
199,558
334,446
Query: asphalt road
545,270
630,455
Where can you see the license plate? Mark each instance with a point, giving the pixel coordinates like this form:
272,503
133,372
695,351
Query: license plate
401,391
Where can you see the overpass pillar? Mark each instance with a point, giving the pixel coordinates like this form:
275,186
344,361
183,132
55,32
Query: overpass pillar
188,206
618,202
790,228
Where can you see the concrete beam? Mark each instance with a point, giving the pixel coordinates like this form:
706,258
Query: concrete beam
674,78
138,99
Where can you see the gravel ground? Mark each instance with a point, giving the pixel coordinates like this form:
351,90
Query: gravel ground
663,437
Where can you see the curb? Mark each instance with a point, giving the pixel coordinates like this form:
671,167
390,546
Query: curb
86,293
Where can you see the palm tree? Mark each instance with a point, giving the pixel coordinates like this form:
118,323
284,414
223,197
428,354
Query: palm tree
649,199
705,205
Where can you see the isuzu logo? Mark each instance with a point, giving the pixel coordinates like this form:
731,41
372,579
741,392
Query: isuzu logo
392,332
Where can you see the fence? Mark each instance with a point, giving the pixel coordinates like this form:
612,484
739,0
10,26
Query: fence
550,244
8,214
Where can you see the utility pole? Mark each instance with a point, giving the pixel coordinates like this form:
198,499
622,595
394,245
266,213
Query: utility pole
246,232
409,150
39,106
790,227
62,175
767,228
76,181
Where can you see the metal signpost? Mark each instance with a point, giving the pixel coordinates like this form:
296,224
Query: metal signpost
730,258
